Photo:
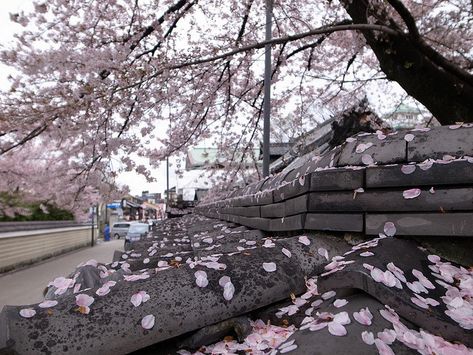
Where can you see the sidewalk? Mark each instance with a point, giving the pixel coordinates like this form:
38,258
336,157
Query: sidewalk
26,286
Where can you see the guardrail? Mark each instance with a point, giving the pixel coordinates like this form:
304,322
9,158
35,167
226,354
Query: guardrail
19,248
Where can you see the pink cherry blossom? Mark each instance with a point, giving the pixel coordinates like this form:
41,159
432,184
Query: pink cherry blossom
223,281
201,278
136,299
269,267
409,137
419,303
328,294
396,272
389,314
387,336
426,165
360,148
84,301
148,321
336,326
110,283
381,136
455,126
27,312
422,279
102,291
61,284
411,193
304,240
228,291
337,329
366,254
340,303
367,159
286,252
383,348
408,169
91,262
368,337
288,349
139,297
416,287
323,252
317,326
48,303
302,180
364,316
377,274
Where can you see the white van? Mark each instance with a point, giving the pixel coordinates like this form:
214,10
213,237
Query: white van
120,229
137,232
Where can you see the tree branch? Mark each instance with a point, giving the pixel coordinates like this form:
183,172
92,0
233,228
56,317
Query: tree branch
259,45
406,17
150,29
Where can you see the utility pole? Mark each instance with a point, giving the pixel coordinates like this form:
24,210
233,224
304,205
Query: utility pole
92,242
267,88
167,183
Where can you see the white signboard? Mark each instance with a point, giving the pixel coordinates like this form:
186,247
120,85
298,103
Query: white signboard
188,194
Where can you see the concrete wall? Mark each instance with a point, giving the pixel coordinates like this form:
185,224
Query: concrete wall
26,247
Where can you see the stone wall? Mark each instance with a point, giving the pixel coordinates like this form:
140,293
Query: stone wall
26,247
421,180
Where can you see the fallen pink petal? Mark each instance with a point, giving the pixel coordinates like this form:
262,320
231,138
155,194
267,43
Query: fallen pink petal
48,303
408,169
337,329
286,252
366,254
269,267
340,303
304,240
148,321
367,159
367,337
136,299
364,316
411,193
323,252
27,312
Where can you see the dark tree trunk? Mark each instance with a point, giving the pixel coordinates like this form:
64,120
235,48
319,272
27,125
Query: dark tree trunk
448,96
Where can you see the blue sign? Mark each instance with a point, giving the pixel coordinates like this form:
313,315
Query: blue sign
114,205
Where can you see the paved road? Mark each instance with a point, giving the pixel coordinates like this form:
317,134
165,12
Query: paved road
26,286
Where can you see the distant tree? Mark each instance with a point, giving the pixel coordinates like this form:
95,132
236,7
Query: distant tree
99,78
37,176
18,211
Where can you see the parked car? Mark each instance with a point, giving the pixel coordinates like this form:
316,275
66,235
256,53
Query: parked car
120,229
136,232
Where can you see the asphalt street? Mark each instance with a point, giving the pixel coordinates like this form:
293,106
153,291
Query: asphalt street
26,286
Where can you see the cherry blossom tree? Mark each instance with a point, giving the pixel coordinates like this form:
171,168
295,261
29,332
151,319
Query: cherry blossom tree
39,173
99,80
